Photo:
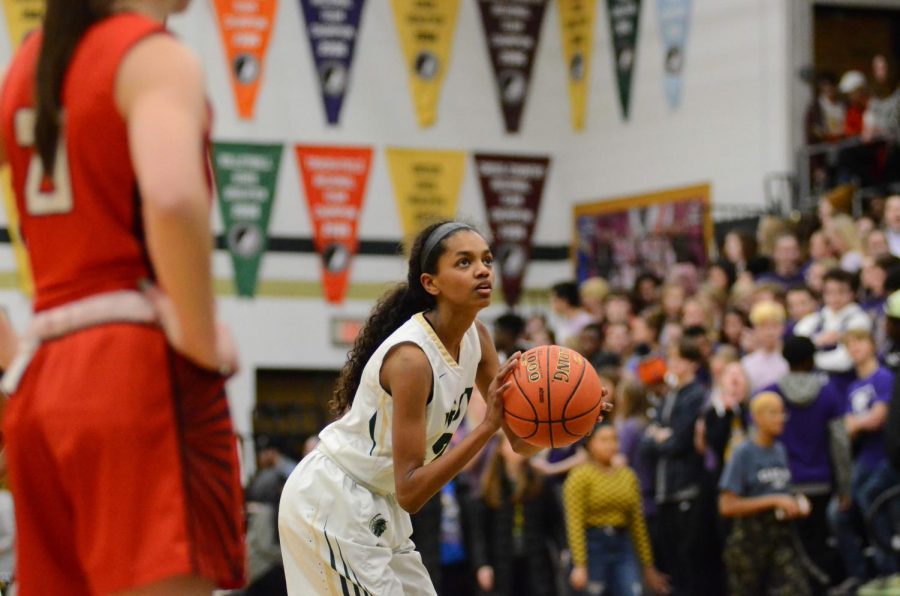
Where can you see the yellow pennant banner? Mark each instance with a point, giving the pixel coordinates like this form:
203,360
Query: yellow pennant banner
576,18
426,35
426,185
22,17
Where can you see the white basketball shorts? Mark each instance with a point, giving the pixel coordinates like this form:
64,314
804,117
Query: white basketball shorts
340,539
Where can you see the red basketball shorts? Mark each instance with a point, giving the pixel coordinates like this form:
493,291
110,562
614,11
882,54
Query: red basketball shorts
123,466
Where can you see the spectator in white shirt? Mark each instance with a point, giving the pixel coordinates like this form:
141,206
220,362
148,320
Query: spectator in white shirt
826,326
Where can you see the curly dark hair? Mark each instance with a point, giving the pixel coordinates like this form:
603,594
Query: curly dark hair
389,313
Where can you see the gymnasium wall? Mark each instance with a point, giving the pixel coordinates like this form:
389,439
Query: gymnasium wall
730,130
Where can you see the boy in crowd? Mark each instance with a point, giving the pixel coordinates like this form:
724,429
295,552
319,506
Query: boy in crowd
817,450
760,554
765,365
800,301
509,330
826,326
786,266
866,409
669,441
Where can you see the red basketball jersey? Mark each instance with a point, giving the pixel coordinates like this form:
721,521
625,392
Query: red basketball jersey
83,230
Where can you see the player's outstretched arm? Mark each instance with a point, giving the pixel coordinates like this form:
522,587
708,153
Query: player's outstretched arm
160,93
406,375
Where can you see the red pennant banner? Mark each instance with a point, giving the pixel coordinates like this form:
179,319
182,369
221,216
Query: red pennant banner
512,187
334,179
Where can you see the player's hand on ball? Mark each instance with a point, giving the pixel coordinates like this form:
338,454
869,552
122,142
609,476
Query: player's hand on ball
493,416
605,406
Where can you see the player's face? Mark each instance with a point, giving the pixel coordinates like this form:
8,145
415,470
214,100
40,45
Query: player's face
465,271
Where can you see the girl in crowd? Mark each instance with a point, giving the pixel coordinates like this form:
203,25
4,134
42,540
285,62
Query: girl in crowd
518,529
607,532
120,447
344,516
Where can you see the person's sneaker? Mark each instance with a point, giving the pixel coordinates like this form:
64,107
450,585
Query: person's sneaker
848,587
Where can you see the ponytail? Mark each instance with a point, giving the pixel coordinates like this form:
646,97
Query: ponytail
65,23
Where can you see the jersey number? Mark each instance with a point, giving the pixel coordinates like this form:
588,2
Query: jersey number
44,197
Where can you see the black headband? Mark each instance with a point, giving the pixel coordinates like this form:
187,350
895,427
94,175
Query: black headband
437,235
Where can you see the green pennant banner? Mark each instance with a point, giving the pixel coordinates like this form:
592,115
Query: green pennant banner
246,176
624,19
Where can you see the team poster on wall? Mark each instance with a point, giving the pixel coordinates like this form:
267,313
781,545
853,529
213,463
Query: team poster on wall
620,238
674,25
426,185
426,29
624,21
334,179
576,19
246,28
512,29
512,187
332,26
246,177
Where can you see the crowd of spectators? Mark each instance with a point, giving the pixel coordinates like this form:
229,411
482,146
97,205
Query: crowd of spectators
750,436
854,125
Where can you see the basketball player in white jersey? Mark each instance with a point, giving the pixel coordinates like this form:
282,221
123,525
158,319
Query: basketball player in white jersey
344,514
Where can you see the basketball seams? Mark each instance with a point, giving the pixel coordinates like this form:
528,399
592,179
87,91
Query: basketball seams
536,421
549,409
565,418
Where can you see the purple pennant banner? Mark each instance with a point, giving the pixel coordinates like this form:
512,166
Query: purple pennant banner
512,29
332,26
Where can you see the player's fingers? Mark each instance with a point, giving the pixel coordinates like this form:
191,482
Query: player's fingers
606,406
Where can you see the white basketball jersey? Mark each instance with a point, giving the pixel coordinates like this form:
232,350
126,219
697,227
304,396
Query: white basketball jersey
360,441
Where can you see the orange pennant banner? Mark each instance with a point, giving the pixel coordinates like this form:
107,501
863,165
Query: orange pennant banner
334,179
246,27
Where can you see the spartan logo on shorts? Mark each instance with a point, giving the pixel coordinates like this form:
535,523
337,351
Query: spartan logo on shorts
378,525
246,68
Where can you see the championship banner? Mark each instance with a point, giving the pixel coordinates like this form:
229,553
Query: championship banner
674,24
334,179
512,29
659,233
624,18
246,27
512,187
246,176
426,185
576,17
332,26
22,17
426,35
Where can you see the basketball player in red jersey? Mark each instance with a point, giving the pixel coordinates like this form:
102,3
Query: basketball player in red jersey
120,446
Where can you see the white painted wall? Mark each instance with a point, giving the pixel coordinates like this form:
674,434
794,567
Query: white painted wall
732,129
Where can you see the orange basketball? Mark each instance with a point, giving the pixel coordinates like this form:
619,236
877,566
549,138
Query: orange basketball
555,397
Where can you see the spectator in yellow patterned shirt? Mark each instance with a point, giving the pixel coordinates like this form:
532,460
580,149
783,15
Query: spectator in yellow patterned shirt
607,533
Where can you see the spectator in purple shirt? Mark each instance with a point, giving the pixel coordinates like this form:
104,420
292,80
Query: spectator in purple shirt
817,450
866,408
